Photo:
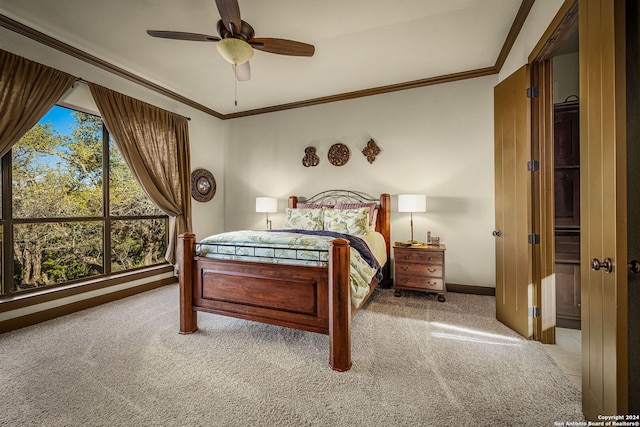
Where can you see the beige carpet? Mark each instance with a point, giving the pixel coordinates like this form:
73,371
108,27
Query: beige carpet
416,362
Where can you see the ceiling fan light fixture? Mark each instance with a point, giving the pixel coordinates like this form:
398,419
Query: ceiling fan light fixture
235,51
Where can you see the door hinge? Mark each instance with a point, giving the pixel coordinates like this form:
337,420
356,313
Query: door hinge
532,92
533,165
534,312
534,239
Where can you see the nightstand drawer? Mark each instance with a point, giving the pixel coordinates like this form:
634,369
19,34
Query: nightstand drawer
417,256
420,283
428,270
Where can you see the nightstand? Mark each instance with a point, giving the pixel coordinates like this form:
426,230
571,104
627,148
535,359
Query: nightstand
419,268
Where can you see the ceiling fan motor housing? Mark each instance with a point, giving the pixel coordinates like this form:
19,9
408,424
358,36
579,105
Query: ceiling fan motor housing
246,32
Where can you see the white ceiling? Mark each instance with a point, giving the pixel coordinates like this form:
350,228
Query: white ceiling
360,44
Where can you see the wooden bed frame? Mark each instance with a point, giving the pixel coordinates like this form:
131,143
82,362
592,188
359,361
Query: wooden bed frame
315,299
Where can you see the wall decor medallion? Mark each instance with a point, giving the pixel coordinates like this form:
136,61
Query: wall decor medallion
338,154
310,157
203,185
371,150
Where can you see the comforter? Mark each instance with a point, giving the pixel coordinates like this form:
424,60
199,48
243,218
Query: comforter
299,247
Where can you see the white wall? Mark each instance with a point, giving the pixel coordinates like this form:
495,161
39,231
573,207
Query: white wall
539,18
566,77
436,140
206,133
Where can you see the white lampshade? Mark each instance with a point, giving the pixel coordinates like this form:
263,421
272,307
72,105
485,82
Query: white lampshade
266,204
412,203
234,50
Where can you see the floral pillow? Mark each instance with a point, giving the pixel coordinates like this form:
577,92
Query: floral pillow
348,221
373,212
303,219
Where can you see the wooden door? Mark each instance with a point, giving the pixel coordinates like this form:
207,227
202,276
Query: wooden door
514,287
633,200
603,207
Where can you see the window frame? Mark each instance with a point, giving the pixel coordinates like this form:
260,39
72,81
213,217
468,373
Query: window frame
7,222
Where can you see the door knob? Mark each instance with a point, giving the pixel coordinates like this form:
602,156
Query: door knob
634,266
606,265
497,233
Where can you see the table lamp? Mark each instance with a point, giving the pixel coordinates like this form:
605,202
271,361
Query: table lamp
412,203
267,204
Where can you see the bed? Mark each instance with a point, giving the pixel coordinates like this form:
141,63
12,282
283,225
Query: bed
315,298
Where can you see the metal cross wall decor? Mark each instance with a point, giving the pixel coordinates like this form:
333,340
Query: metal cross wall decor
371,150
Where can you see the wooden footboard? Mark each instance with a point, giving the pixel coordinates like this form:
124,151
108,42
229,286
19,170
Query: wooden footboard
315,299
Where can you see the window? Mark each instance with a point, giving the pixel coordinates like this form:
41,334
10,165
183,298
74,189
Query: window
69,202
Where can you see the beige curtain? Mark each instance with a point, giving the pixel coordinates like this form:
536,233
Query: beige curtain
28,90
155,145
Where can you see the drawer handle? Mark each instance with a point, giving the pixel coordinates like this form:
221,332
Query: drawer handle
406,257
430,258
405,280
405,268
431,270
432,283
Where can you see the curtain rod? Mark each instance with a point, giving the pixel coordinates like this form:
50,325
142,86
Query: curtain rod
81,80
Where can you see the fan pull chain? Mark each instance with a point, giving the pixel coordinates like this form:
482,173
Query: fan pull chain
235,80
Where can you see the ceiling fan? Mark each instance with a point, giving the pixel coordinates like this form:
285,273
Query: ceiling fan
236,40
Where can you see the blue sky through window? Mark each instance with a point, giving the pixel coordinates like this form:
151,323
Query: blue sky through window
61,119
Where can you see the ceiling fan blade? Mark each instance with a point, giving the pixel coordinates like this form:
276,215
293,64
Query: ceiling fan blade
179,35
282,46
230,14
242,72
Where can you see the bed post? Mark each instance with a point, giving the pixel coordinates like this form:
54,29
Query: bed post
384,216
293,202
339,306
186,253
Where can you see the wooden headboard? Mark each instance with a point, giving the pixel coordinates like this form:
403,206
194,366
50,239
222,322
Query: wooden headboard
383,220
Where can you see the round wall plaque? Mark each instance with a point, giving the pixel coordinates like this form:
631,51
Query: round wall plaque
338,154
203,185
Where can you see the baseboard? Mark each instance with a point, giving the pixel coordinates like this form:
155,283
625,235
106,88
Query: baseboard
52,313
462,289
563,322
471,289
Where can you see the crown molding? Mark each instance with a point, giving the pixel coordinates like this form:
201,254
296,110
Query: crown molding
514,31
368,92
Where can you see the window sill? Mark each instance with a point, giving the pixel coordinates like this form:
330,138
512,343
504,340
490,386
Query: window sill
27,299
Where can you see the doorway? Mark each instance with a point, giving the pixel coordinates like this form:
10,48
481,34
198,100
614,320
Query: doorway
565,77
556,191
566,181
